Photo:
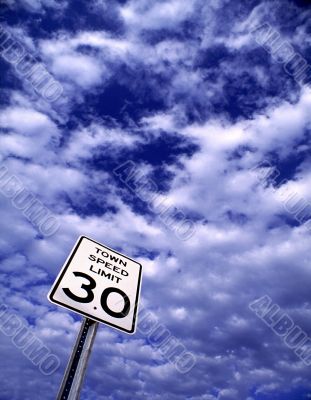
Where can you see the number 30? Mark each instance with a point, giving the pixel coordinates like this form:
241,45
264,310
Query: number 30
104,297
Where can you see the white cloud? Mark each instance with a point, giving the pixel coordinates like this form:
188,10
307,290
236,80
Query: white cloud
82,70
90,141
148,15
24,126
27,121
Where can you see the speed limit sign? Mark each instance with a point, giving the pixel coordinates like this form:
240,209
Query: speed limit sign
100,284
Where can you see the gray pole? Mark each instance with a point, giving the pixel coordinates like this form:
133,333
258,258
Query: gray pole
75,371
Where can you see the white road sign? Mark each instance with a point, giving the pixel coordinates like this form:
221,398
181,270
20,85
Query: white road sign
99,283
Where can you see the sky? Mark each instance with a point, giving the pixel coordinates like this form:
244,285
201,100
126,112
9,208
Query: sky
178,133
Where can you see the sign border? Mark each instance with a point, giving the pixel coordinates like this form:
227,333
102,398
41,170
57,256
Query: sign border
63,271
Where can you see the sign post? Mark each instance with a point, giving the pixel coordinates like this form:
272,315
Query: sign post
103,285
74,375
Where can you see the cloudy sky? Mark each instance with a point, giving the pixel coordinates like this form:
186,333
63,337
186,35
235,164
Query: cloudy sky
195,98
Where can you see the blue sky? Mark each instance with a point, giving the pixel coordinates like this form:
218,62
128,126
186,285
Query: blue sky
186,91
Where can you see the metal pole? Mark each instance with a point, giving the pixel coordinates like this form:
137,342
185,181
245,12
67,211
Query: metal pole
75,371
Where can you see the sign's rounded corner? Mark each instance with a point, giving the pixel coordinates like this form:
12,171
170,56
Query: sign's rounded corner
81,237
132,331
